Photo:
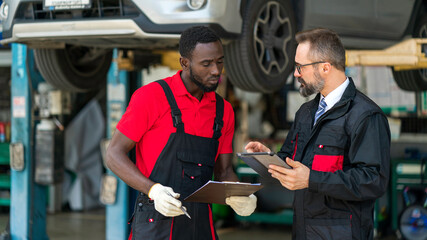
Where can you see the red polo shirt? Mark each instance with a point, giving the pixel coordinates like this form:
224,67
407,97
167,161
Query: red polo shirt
148,121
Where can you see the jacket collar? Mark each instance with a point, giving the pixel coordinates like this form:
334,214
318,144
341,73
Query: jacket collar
340,108
348,95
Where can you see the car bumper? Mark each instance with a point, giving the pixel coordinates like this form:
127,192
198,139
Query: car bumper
119,33
161,20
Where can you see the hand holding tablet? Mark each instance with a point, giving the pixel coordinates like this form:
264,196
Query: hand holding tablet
259,161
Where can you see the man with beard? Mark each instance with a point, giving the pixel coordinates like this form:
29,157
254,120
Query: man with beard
183,135
338,146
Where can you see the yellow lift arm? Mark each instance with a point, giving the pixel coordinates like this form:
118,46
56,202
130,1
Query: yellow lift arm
169,58
406,55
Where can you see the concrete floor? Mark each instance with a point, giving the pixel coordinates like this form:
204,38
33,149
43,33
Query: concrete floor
91,225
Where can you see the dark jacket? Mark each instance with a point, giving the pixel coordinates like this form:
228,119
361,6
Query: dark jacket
348,153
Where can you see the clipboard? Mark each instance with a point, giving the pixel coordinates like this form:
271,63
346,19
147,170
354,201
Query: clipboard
259,162
217,192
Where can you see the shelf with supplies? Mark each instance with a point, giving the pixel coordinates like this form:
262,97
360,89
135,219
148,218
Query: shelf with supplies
405,173
4,174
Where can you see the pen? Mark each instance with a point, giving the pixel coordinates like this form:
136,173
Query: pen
185,212
182,208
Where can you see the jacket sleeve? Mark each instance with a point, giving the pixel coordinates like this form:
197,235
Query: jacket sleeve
287,148
369,157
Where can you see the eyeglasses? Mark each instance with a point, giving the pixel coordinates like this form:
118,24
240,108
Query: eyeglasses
298,67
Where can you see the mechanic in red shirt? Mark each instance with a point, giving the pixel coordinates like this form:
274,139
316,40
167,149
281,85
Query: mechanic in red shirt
183,135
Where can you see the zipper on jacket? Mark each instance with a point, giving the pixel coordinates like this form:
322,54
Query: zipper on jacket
296,145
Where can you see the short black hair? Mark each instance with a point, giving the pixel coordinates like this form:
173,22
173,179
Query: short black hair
194,35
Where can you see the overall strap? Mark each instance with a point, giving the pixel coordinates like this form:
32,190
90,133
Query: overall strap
175,112
218,122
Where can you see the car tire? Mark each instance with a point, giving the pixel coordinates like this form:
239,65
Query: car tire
414,80
262,58
412,222
74,68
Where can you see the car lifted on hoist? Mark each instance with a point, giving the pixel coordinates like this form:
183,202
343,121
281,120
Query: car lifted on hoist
72,40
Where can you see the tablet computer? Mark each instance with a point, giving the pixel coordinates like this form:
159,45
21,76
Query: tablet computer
259,161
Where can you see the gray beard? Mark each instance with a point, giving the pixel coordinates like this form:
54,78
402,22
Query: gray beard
312,88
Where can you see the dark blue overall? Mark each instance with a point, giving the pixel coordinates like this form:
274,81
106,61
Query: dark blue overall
185,164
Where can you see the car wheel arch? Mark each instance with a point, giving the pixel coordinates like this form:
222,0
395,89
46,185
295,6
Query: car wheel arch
244,57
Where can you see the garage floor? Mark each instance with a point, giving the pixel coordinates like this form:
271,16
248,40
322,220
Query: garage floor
91,225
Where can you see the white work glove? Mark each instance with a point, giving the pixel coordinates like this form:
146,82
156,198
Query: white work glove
244,206
165,200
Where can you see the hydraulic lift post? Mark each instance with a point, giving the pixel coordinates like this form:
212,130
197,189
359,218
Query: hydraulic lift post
117,213
28,199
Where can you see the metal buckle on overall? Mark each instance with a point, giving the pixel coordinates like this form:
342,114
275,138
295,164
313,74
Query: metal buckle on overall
176,118
218,125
